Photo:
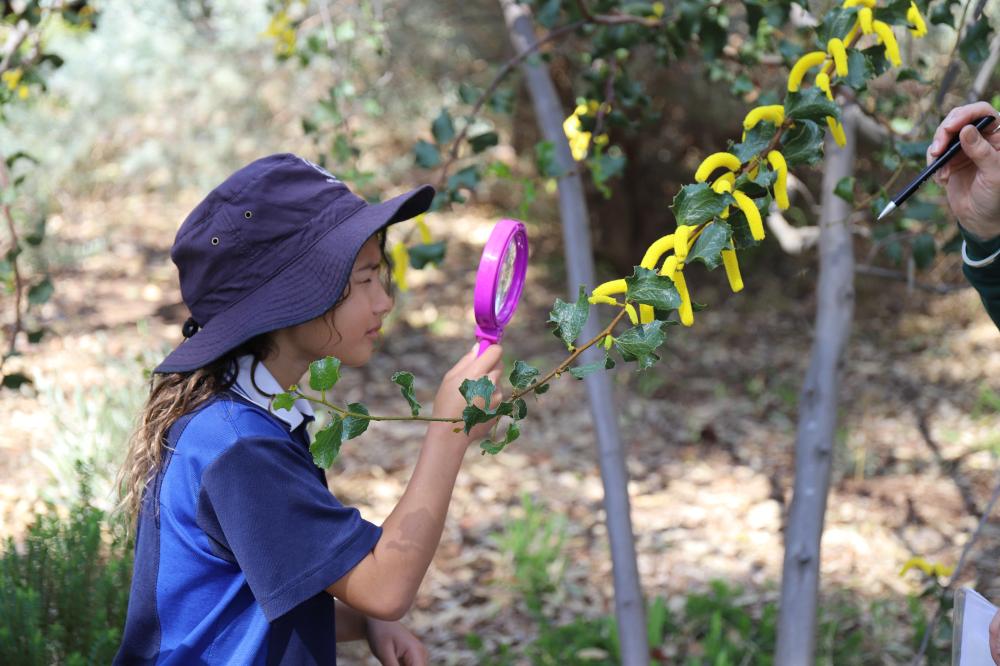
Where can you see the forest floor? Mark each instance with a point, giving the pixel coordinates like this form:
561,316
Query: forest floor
709,431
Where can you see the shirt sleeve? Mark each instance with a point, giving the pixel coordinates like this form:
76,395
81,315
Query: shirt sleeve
985,278
263,501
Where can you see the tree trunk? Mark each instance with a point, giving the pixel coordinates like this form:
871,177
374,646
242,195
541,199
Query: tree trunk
629,607
818,414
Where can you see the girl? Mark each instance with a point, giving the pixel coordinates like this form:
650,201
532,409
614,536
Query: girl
242,554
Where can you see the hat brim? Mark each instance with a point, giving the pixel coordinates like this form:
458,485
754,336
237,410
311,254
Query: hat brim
302,290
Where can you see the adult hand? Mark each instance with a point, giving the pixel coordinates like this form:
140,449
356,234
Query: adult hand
394,645
972,177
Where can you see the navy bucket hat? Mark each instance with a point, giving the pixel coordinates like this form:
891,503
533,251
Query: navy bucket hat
271,247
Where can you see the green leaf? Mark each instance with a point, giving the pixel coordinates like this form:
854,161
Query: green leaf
742,238
469,93
837,23
36,335
859,70
757,139
479,388
426,253
544,388
845,189
501,101
975,46
638,343
405,381
355,425
810,104
942,13
493,448
324,373
803,144
910,74
697,203
759,185
545,160
15,380
913,150
650,288
467,178
427,154
522,374
708,248
284,401
326,446
569,318
481,142
442,128
582,371
41,292
924,250
520,409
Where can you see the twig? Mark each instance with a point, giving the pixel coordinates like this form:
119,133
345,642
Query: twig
616,19
507,67
889,274
18,282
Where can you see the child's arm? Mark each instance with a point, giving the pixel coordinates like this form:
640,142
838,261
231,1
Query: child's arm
384,583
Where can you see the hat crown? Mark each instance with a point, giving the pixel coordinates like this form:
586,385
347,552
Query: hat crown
257,221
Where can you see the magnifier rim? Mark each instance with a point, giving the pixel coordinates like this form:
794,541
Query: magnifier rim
519,240
488,275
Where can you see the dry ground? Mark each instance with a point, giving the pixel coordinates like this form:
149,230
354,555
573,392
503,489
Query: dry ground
709,431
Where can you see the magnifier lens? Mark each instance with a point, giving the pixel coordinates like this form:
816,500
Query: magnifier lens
506,277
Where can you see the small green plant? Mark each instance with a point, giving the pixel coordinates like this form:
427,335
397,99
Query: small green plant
64,592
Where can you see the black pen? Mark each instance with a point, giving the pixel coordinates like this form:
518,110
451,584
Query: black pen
953,147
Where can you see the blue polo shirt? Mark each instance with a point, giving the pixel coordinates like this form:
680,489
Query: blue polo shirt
238,539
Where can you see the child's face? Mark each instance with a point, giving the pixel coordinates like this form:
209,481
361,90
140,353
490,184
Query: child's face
357,319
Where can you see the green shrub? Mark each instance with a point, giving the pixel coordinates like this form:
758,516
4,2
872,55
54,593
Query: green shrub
64,591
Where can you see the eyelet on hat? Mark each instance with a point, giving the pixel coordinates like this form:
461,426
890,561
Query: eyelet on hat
248,214
215,240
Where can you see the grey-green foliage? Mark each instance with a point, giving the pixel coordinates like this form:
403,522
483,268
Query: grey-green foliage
64,591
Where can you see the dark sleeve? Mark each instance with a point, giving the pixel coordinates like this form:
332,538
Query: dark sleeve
986,279
263,502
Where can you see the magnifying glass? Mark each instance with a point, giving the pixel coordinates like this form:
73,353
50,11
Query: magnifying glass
500,280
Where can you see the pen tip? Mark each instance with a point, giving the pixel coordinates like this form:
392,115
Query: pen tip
885,211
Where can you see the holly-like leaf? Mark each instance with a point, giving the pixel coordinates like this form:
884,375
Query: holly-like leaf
569,318
742,238
284,401
479,388
582,371
426,253
443,128
41,292
638,343
803,144
696,203
405,381
355,425
520,409
810,104
845,189
326,446
837,23
713,239
324,373
859,70
426,154
650,288
493,448
522,375
757,139
481,142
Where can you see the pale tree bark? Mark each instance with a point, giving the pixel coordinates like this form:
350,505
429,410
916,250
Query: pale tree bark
629,607
818,413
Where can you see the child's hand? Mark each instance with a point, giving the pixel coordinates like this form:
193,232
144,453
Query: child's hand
449,403
394,645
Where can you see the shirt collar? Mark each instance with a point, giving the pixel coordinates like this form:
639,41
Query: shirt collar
266,382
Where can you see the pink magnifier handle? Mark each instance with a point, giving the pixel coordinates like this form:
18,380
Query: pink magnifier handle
500,280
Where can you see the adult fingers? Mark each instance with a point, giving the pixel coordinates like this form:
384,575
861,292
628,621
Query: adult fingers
956,119
979,150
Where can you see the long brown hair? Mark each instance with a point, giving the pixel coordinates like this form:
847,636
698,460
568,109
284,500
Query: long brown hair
174,394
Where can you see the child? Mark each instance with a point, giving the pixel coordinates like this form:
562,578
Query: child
240,547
